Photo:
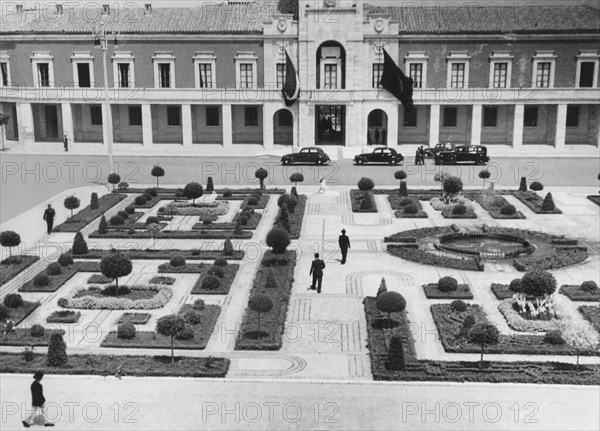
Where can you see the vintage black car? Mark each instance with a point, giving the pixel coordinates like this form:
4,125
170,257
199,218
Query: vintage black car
463,154
379,155
311,155
439,147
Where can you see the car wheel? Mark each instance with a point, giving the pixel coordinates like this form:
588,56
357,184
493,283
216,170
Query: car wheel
480,161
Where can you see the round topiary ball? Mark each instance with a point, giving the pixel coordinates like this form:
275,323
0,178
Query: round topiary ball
37,331
41,280
220,261
554,337
538,283
187,333
458,305
411,209
130,209
459,209
536,186
508,210
117,220
13,300
198,304
252,201
65,259
211,282
217,271
151,191
126,331
516,285
152,220
147,196
447,284
177,261
193,317
140,200
227,193
365,184
53,268
123,214
406,201
589,286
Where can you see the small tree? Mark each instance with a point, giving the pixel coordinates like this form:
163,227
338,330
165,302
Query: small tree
71,203
484,175
536,186
170,326
395,359
154,229
227,247
57,351
115,265
453,185
401,176
103,225
579,338
193,191
365,184
484,334
79,245
548,204
210,187
261,304
157,172
284,218
114,179
278,239
538,283
94,203
390,302
9,239
523,185
296,178
440,177
261,174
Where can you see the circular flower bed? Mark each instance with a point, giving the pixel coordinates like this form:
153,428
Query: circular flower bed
496,245
210,210
88,302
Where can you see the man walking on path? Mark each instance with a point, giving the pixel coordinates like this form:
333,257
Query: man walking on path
66,142
37,401
344,243
316,270
49,217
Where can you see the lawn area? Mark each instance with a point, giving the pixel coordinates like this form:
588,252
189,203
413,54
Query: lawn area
495,206
56,281
12,266
23,337
17,315
592,314
87,215
117,365
575,293
400,203
502,291
229,275
534,202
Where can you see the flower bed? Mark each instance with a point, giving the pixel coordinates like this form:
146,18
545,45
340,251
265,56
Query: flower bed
88,302
153,340
188,268
88,215
130,222
575,293
592,314
178,234
12,266
534,202
447,213
251,224
462,371
120,365
272,322
502,291
204,210
262,203
56,281
99,279
17,315
64,316
595,199
229,271
168,254
414,234
249,191
432,292
519,323
159,279
495,206
562,256
425,258
397,203
135,318
23,337
356,197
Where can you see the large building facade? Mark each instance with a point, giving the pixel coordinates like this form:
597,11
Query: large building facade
189,79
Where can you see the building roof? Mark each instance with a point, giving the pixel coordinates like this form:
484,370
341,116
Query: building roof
209,18
491,19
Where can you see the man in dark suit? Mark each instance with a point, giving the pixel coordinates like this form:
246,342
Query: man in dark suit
316,270
49,215
37,401
344,243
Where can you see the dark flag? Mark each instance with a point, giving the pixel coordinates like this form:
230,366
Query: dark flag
396,82
291,87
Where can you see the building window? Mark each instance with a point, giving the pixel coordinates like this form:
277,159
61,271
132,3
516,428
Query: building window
43,70
96,115
331,76
164,75
280,75
377,72
123,69
416,67
572,116
4,72
410,117
500,75
542,76
457,75
246,75
246,64
83,75
450,114
212,116
135,115
416,74
530,116
285,118
173,115
251,116
587,72
490,116
205,75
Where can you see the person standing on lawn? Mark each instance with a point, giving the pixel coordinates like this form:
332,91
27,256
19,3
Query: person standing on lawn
344,243
49,215
37,401
316,270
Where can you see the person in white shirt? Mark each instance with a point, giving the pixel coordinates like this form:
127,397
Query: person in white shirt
323,184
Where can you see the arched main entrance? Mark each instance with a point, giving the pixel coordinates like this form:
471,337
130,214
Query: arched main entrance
283,127
377,128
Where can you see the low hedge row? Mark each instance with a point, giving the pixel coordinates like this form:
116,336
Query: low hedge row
178,234
426,258
168,254
229,273
297,217
23,337
502,291
356,196
561,257
495,208
432,292
56,281
88,215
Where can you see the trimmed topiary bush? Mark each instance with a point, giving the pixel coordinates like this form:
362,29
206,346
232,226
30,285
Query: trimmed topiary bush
157,172
170,326
367,202
589,286
536,186
217,271
278,239
123,185
447,284
406,201
53,268
192,317
523,185
296,178
57,351
411,209
186,333
103,226
115,265
459,209
152,220
177,261
147,196
453,185
79,245
395,359
390,302
227,247
193,191
516,285
508,210
126,331
458,305
9,239
13,300
71,203
130,209
114,179
117,220
261,174
211,282
65,259
94,203
382,287
210,187
538,283
365,184
484,334
198,304
260,304
227,193
548,204
151,191
4,312
140,200
124,214
41,280
37,331
554,337
219,261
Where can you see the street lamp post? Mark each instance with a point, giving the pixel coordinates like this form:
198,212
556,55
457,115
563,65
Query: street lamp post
102,36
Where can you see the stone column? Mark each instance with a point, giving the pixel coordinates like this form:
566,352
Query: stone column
268,139
476,125
186,125
434,125
67,122
561,126
147,125
518,126
392,126
227,126
25,124
306,120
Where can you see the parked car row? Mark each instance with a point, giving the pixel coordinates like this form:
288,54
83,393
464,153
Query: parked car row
442,154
